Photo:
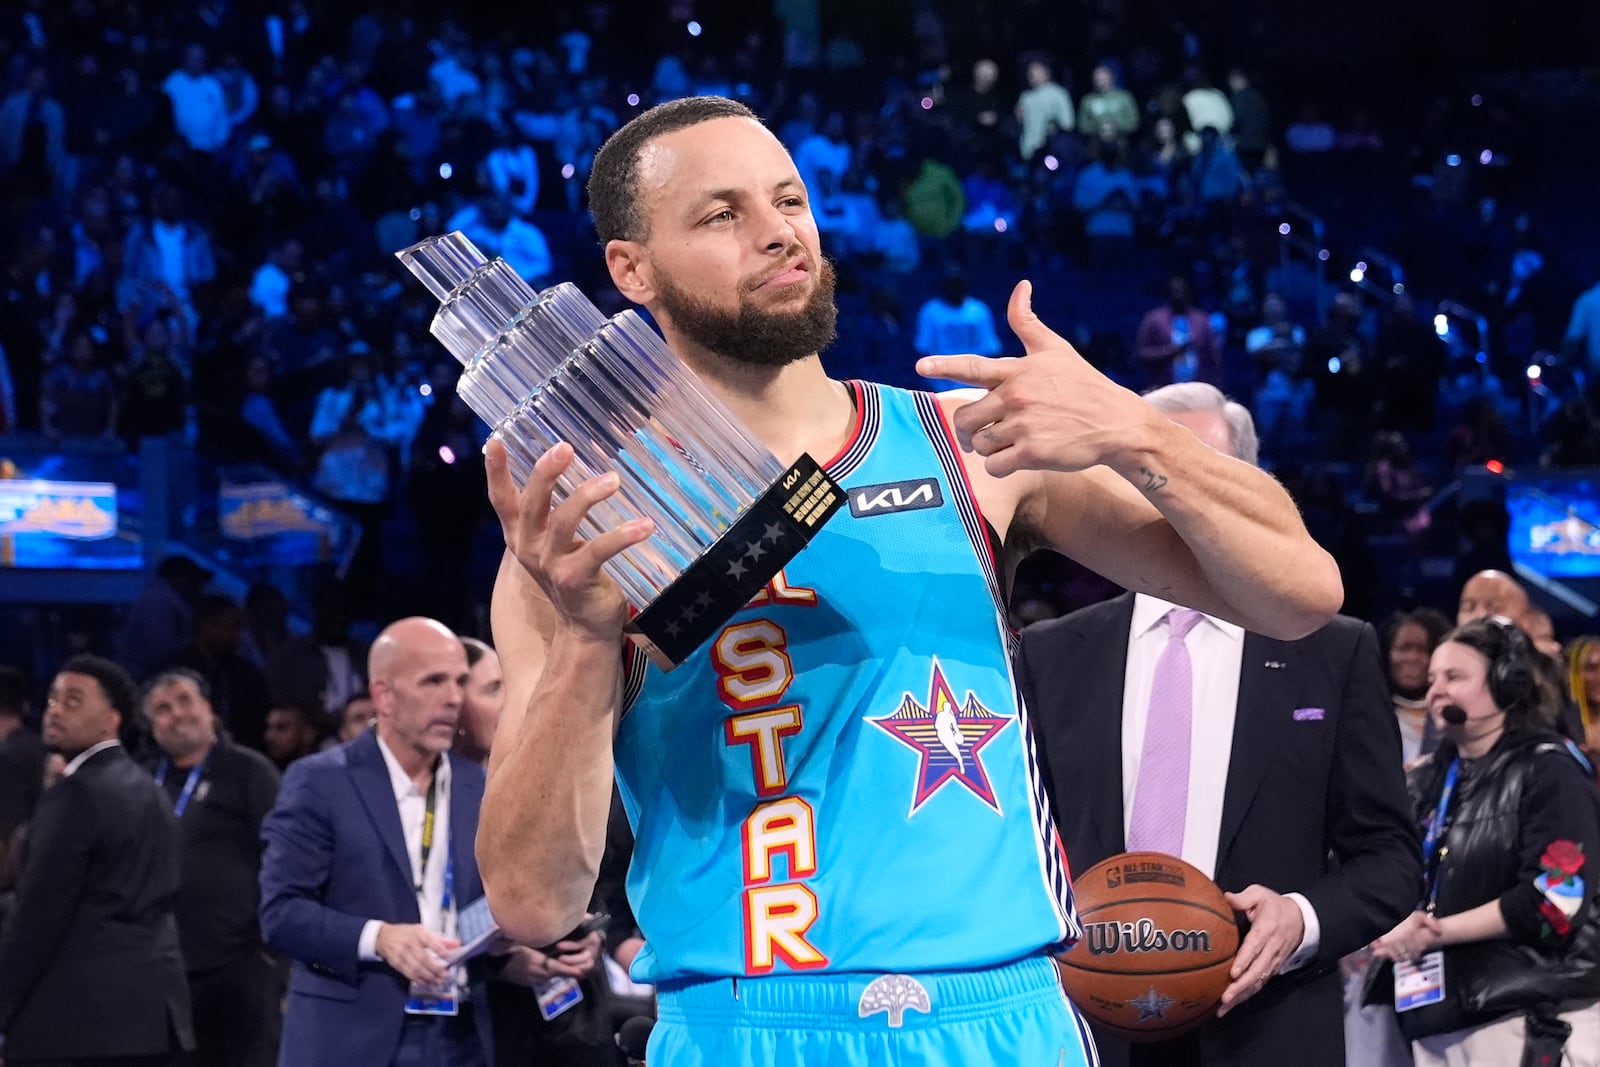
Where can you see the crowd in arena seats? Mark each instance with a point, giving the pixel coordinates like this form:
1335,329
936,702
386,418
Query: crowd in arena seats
201,207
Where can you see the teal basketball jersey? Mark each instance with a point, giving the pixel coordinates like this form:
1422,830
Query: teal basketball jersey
843,778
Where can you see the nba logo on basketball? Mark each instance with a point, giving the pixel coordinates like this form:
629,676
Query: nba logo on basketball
1113,877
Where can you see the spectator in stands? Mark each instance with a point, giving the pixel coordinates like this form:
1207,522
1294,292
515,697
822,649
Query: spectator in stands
1479,437
1108,103
1394,483
1337,358
199,104
258,411
1207,106
955,322
155,397
327,667
1409,638
78,399
358,716
93,924
512,172
823,158
1106,195
1277,343
894,239
266,627
1581,341
1219,180
269,288
291,731
1043,107
165,258
1583,674
979,109
1175,342
237,688
1252,119
493,227
935,202
219,793
161,620
32,135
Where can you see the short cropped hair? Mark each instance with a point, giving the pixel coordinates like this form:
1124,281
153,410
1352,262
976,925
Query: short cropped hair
614,176
114,682
1199,396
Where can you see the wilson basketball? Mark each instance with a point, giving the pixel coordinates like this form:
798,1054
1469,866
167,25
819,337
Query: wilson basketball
1158,939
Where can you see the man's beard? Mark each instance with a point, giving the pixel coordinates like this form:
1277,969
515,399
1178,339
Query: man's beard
750,335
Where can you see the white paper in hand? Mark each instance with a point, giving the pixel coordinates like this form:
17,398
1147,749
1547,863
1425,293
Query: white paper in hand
476,929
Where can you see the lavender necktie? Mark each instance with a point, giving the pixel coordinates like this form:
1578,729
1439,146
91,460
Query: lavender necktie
1161,797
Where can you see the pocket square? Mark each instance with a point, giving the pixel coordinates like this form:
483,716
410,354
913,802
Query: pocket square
1309,714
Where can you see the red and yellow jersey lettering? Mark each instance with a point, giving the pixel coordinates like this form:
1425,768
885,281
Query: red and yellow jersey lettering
764,732
779,591
784,827
776,919
752,665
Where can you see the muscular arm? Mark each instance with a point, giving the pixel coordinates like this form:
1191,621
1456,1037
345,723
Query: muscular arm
542,830
558,622
1180,521
1096,472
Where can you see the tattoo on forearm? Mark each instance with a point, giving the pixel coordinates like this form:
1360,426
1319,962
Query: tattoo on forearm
1152,480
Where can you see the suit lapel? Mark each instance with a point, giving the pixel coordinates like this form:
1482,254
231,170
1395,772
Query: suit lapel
466,796
1106,643
1266,701
371,777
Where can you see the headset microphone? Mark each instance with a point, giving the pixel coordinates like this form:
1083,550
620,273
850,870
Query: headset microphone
1454,714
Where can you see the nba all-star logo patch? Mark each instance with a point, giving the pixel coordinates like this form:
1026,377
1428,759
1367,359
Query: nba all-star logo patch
948,739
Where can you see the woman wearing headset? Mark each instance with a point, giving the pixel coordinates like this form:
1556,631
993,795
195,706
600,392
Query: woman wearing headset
1503,953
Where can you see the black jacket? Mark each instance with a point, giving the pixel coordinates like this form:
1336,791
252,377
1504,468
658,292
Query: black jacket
1313,803
90,966
1509,808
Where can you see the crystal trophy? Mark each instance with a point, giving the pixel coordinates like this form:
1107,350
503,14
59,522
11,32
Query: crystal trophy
546,367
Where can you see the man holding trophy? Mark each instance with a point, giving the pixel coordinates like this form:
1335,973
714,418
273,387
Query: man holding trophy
844,851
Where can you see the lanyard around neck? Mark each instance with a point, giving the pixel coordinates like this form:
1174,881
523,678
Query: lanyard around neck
187,793
427,828
1433,844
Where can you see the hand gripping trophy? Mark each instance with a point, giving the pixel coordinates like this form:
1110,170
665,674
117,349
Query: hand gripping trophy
542,368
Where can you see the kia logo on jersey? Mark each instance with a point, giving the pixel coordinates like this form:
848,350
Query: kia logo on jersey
887,498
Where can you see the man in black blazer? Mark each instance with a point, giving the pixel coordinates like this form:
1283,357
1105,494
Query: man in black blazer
90,970
1310,770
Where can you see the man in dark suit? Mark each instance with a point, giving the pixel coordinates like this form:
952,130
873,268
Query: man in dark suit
369,861
90,971
1281,754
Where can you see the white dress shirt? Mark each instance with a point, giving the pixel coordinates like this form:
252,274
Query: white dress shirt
83,757
1216,650
412,801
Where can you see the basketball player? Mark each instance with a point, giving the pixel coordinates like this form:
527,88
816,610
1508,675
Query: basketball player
818,878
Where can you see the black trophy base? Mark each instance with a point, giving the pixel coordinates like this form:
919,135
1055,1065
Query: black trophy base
738,565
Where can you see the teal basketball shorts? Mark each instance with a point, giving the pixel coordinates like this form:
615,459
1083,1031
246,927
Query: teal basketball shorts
1014,1015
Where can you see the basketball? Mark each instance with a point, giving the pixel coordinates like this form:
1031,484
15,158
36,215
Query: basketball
1158,939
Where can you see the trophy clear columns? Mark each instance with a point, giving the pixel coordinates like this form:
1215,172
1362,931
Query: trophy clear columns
543,368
